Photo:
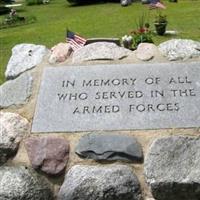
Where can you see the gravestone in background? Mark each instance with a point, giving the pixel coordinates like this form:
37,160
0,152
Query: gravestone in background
118,97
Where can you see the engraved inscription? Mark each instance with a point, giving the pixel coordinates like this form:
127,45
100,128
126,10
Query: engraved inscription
119,97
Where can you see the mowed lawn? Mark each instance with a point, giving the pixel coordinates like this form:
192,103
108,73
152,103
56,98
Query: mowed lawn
98,20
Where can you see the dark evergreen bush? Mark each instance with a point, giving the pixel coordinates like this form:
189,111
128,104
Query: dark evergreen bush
89,1
33,2
7,1
4,10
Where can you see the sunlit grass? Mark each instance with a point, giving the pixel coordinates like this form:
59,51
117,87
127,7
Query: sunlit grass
99,20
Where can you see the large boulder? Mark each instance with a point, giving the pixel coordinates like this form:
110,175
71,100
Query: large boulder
13,128
24,57
60,52
172,168
50,154
115,182
109,147
100,51
22,183
16,92
146,51
180,49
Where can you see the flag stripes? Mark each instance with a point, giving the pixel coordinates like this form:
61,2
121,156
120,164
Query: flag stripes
75,40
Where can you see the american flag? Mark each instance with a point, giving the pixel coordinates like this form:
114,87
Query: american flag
75,40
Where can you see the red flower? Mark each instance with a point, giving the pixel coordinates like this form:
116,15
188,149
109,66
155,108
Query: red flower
141,30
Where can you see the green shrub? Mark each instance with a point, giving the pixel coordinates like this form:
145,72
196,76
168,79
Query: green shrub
33,2
16,21
87,1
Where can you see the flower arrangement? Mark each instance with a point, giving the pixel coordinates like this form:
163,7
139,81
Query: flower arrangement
160,23
160,18
142,33
13,19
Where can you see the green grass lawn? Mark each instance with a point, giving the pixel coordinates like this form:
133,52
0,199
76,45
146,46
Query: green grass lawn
99,20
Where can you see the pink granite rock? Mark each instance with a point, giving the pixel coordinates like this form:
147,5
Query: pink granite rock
60,52
49,154
146,51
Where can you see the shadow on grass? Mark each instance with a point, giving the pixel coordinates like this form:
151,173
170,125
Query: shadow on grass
90,2
78,3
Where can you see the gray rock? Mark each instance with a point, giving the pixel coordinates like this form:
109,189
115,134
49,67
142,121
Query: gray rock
146,51
180,49
115,182
93,40
50,154
100,51
13,128
24,57
125,2
16,92
109,147
172,168
22,183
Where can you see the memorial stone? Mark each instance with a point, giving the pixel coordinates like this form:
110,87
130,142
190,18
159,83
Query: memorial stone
118,97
